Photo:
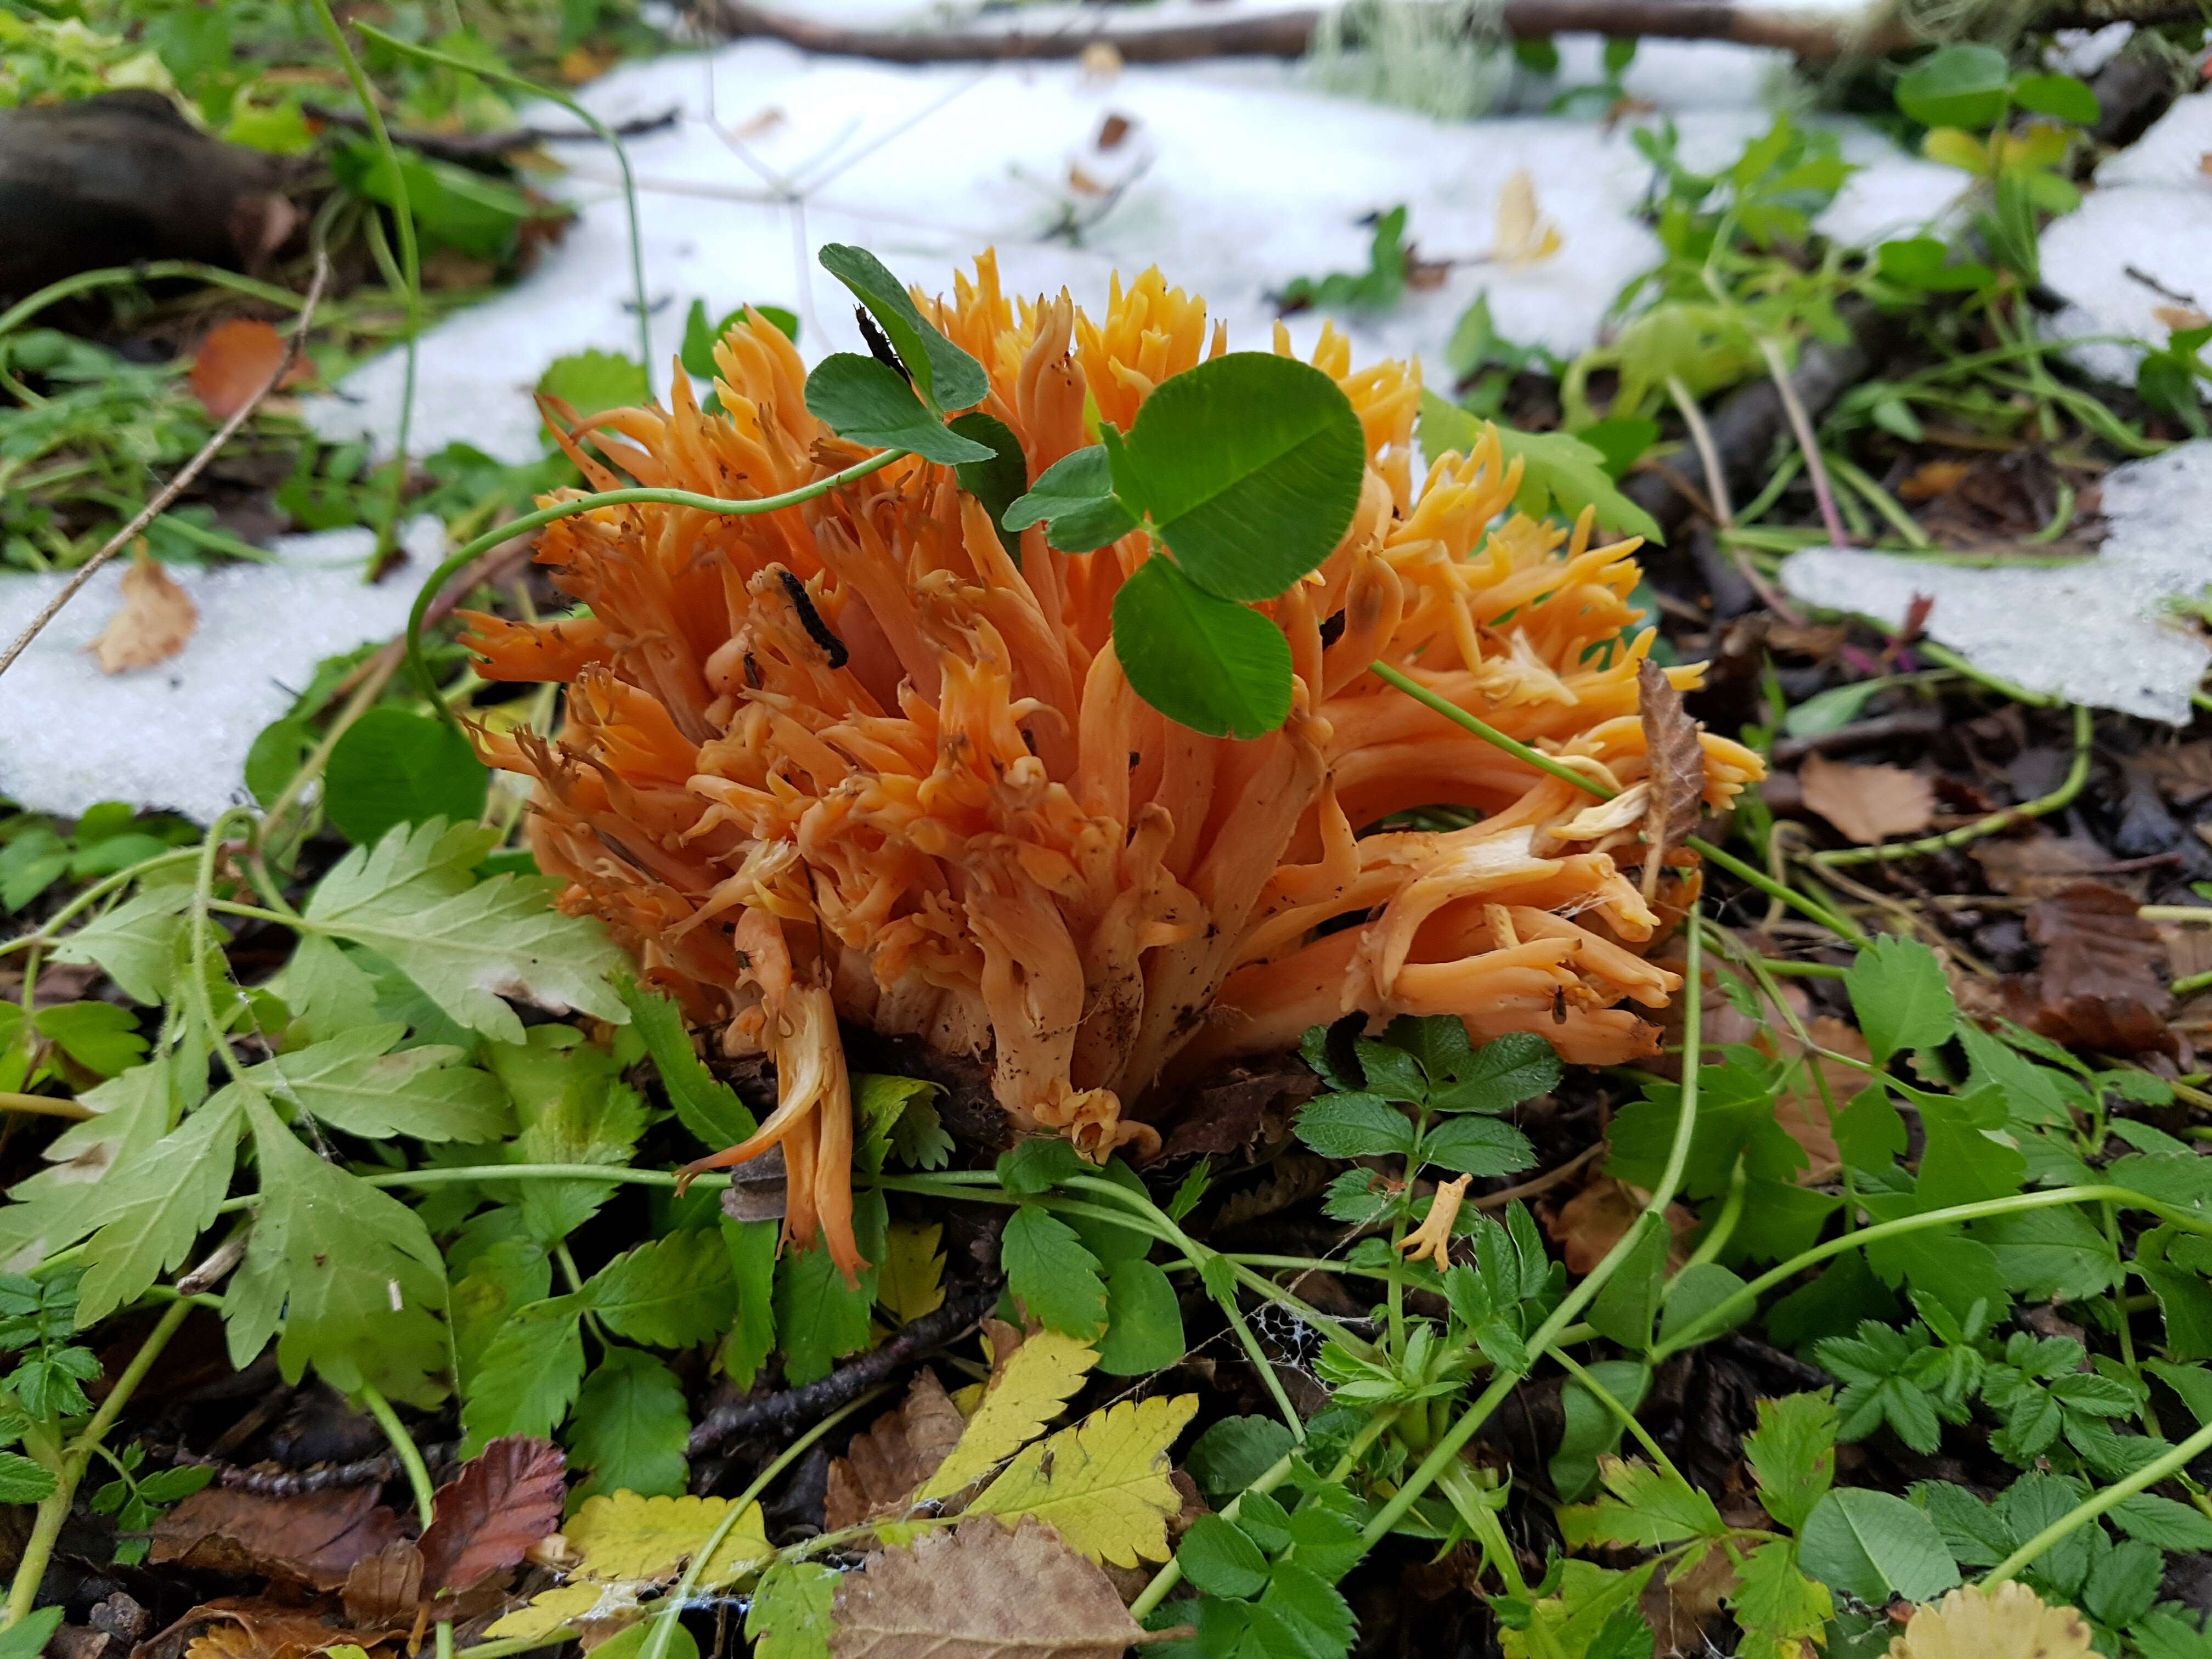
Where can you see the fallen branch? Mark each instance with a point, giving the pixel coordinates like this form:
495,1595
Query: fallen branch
478,149
1870,32
177,486
780,1413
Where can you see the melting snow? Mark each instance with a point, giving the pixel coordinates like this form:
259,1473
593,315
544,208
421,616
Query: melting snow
175,736
2097,631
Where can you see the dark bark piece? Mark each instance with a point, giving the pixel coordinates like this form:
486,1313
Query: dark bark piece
122,178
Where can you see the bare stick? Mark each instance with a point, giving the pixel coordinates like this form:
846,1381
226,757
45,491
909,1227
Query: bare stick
1871,31
176,486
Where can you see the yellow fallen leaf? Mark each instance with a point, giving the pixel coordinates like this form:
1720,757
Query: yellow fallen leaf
911,1282
157,619
1105,1485
625,1535
1525,237
1025,1394
2011,1623
549,1610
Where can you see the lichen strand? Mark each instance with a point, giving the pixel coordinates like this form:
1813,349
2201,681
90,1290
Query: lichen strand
972,831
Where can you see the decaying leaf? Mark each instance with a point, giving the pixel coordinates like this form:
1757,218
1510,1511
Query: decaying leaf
504,1500
1591,1222
574,1605
384,1589
980,1593
2184,770
258,1628
1525,237
1869,803
2039,863
234,361
1680,1605
1104,1485
624,1537
311,1538
1677,769
2011,1623
2102,984
1027,1390
883,1467
156,621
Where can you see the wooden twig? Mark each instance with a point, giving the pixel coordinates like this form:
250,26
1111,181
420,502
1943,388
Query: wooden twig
177,486
1289,33
478,149
781,1412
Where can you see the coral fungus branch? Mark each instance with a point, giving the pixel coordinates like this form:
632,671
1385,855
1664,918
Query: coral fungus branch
833,752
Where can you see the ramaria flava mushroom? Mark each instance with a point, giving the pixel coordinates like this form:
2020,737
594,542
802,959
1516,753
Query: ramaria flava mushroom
855,760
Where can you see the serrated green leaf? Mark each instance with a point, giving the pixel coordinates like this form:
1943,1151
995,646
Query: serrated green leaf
671,1292
790,1617
1778,1607
150,1209
1055,1276
751,1246
348,1270
1645,1506
704,1104
99,1035
134,944
1354,1126
629,1427
353,1083
1900,994
1477,1146
24,1481
818,1317
1497,1077
528,1376
414,900
1792,1454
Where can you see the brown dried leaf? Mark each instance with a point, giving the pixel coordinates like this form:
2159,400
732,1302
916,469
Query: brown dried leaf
257,1627
1591,1222
881,1468
1679,1604
383,1590
233,362
2180,317
2183,770
2039,864
1677,764
486,1518
1933,479
2102,984
1869,803
980,1593
155,622
311,1538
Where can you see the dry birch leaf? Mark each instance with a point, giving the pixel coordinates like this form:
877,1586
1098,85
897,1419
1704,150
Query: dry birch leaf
1525,237
980,1593
1677,769
155,622
881,1468
1869,803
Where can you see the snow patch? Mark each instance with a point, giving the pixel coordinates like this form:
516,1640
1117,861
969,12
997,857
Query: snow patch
2097,631
175,736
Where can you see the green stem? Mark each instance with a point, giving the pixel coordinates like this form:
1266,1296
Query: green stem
664,1626
2170,1462
45,930
201,932
1547,1334
153,270
410,263
607,136
2076,775
493,537
1707,1324
1274,1476
418,1479
53,1509
1723,1227
1612,1402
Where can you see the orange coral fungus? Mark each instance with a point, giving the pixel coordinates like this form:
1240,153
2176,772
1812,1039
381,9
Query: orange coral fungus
852,760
